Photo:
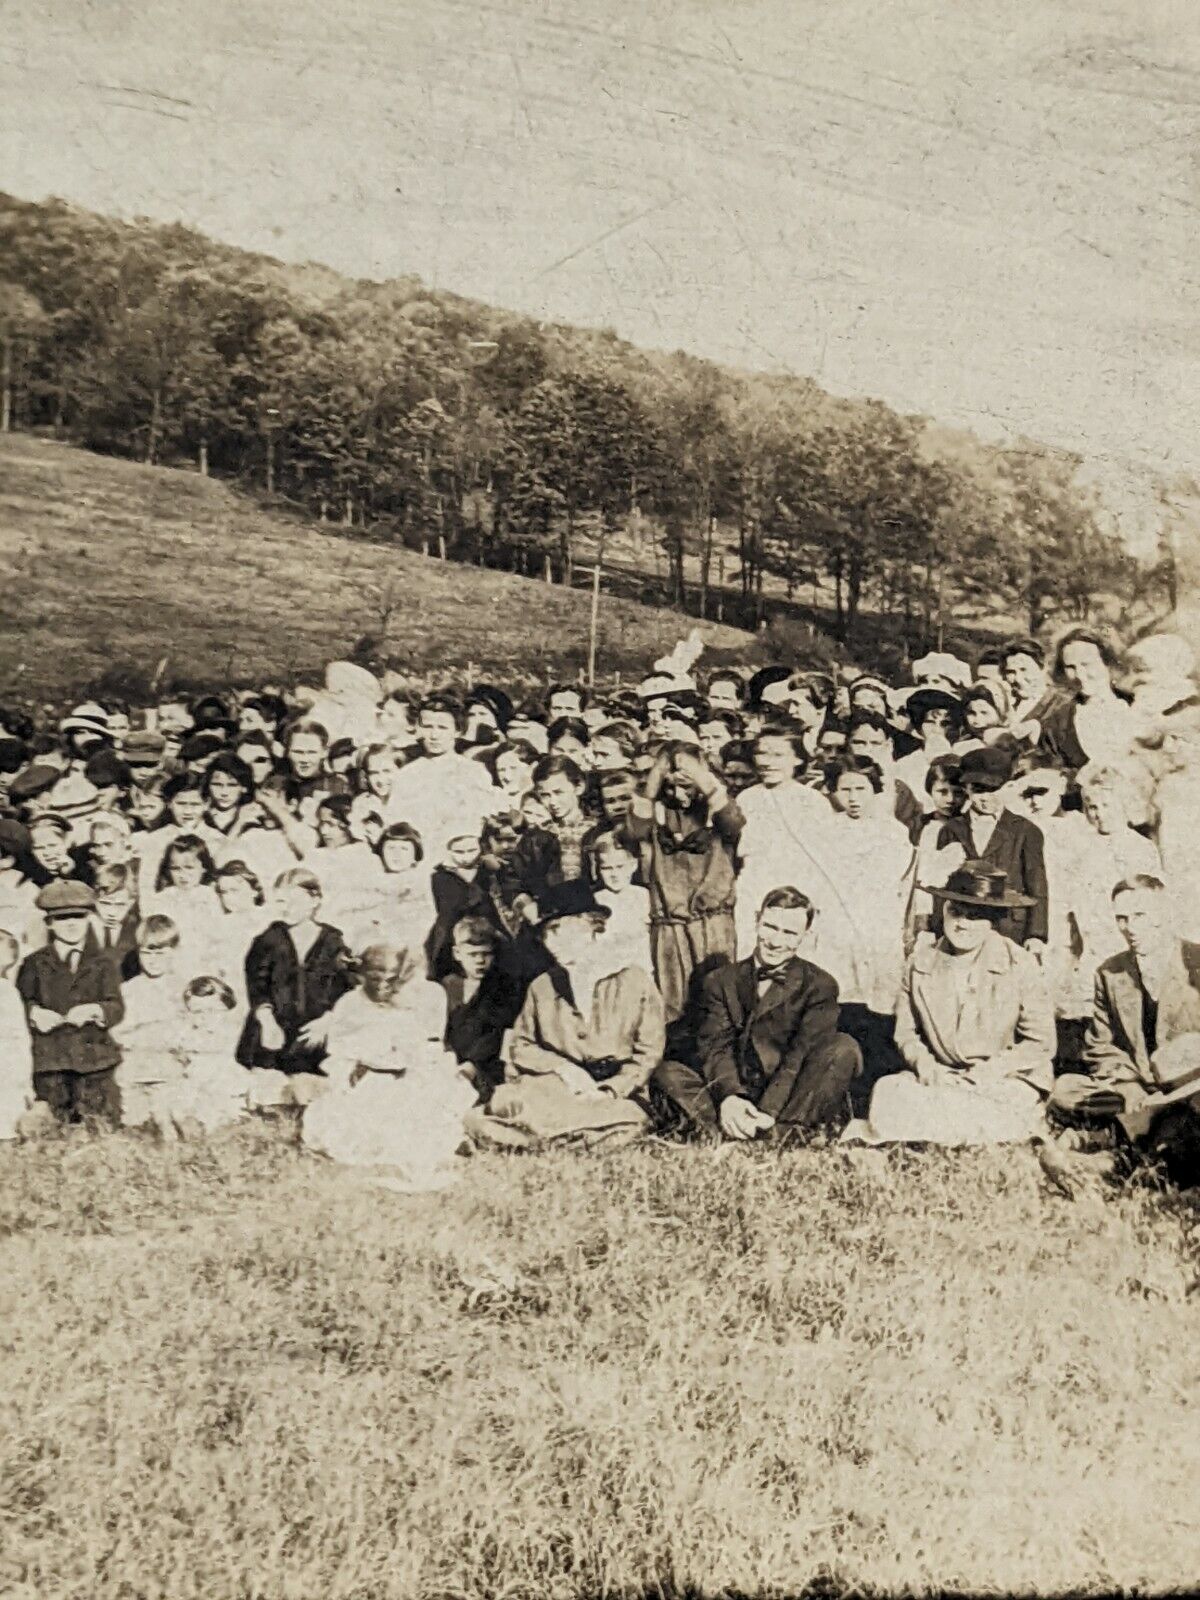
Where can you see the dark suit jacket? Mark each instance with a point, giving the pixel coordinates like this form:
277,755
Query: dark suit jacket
44,979
1015,845
123,953
754,1046
1058,739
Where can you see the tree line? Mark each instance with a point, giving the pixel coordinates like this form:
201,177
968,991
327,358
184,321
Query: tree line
490,437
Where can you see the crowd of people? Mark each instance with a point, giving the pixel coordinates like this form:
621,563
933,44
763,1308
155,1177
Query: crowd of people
745,907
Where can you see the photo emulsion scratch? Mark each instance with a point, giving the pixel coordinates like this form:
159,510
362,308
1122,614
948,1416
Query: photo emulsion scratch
599,799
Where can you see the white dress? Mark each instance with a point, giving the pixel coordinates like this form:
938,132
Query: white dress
406,1110
395,908
197,914
214,1088
785,843
858,935
16,1061
1177,829
439,795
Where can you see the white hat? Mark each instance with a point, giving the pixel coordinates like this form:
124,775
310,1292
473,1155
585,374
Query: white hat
86,718
940,664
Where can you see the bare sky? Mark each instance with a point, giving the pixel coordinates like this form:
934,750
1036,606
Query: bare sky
981,209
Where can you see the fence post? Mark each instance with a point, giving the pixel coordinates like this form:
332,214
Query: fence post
595,622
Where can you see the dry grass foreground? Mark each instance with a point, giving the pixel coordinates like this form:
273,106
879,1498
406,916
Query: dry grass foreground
232,1370
107,562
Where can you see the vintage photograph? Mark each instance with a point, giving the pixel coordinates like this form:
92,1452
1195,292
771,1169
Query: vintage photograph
599,799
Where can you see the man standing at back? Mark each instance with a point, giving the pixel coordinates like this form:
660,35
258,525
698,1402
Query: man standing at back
768,1059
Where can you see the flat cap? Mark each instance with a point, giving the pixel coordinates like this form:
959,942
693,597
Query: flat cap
144,748
34,781
66,897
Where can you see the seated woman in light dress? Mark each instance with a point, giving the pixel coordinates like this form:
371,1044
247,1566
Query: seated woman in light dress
397,1097
974,1026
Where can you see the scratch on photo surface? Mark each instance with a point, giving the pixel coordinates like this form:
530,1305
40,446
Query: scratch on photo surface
617,227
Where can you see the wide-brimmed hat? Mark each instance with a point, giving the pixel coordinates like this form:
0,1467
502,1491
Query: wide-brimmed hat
87,718
572,899
979,883
496,701
774,679
73,797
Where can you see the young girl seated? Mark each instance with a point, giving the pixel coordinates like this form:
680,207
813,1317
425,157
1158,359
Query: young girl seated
398,1097
16,1051
212,1093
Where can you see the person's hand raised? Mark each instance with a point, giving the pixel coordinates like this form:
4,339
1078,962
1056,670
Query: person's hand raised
693,769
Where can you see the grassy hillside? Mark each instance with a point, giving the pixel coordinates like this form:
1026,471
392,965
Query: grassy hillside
231,1370
105,562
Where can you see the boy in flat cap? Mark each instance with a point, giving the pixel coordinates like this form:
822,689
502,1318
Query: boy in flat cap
72,999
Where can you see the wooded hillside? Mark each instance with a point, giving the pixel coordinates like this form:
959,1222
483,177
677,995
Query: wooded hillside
450,425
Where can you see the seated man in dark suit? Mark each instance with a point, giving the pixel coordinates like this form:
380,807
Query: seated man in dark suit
767,1057
1141,1053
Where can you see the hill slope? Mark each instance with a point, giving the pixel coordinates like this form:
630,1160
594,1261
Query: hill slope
107,564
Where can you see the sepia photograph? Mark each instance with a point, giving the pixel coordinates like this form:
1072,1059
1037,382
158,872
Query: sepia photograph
599,799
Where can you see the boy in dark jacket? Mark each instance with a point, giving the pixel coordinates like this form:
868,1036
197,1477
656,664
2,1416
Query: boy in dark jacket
72,998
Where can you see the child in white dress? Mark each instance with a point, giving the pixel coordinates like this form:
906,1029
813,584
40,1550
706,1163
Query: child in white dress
626,938
213,1090
16,1051
397,1098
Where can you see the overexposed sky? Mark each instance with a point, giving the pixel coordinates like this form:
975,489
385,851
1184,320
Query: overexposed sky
984,211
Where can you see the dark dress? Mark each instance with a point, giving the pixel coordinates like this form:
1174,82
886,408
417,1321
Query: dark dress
298,992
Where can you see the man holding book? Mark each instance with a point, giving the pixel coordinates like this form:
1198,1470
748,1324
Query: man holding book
1141,1053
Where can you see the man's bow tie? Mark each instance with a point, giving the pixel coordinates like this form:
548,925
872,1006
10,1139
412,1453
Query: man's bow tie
769,974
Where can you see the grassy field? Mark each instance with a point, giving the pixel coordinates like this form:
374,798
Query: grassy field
231,1370
106,562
